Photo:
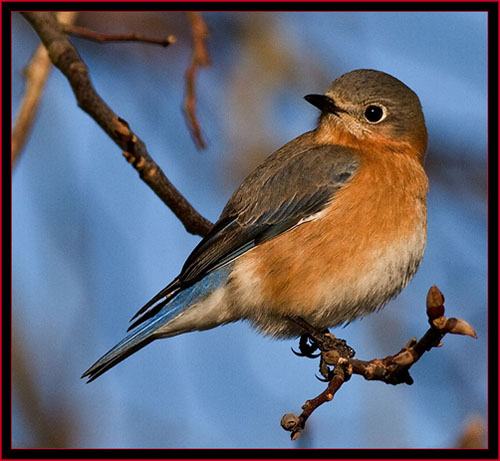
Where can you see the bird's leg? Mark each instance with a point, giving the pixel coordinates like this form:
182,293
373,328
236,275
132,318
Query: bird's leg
309,341
330,347
313,339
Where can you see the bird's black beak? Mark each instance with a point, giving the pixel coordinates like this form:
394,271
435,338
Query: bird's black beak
323,103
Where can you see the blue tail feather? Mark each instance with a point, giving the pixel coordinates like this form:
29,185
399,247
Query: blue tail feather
144,333
134,341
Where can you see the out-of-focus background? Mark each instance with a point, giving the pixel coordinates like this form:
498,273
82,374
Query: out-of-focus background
91,242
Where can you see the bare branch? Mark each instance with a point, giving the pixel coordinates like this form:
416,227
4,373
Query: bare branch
295,424
36,74
393,369
89,34
65,57
199,58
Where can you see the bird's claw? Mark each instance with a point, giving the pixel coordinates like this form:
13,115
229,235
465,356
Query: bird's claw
307,347
322,379
298,354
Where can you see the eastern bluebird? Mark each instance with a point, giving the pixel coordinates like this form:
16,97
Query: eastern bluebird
328,228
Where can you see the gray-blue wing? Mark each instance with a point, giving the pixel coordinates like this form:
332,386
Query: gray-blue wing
291,185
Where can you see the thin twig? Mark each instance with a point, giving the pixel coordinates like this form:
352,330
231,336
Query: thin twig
199,58
295,424
89,34
65,57
36,74
393,369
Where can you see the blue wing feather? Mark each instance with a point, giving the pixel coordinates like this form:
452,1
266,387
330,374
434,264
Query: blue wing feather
287,188
294,183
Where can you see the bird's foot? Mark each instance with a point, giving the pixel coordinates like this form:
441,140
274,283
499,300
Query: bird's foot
330,348
307,347
315,339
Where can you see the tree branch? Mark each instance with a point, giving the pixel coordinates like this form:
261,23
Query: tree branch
89,34
65,57
199,58
36,74
393,369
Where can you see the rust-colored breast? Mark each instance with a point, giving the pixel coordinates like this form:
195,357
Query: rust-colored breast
359,247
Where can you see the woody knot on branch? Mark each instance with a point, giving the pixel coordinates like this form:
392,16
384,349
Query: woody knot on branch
337,362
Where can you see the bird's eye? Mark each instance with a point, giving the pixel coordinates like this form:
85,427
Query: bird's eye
374,114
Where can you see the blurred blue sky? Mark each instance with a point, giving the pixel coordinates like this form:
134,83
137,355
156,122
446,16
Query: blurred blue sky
91,243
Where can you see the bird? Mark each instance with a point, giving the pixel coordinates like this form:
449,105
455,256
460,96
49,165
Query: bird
328,228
